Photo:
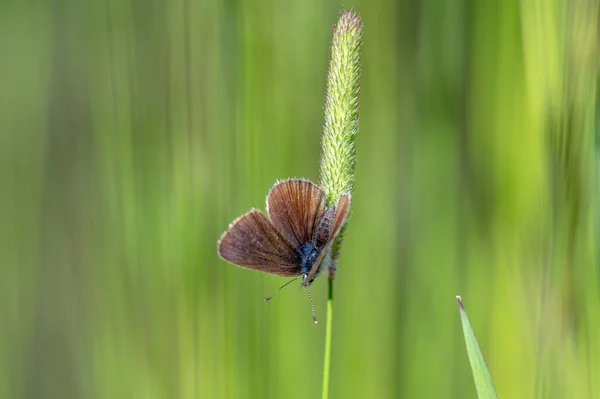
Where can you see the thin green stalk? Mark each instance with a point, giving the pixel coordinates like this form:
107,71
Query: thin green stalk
328,334
338,149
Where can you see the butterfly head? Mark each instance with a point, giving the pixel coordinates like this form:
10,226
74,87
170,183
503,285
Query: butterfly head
307,283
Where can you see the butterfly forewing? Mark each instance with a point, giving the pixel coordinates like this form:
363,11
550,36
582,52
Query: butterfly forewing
253,243
341,215
295,208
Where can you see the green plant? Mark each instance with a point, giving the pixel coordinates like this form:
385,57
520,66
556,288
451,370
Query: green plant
481,374
340,127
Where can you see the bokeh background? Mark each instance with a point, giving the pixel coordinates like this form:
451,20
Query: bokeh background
133,132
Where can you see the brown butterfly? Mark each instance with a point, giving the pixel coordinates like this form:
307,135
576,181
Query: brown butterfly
296,240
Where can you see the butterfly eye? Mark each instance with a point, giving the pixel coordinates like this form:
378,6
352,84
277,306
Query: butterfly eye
304,276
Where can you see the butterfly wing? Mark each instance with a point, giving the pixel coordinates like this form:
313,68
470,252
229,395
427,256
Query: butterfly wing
341,215
295,207
253,243
325,227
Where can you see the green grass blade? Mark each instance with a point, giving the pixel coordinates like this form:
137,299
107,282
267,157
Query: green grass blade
481,374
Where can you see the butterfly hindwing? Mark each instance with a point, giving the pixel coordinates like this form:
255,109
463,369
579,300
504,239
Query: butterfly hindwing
325,227
253,243
295,207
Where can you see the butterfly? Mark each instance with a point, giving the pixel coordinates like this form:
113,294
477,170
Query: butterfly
296,239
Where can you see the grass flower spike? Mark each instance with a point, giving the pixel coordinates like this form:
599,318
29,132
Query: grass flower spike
338,150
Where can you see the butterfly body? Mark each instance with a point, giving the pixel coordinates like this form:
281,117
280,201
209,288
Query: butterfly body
297,238
309,256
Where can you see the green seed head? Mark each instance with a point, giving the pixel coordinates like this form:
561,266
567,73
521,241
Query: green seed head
338,149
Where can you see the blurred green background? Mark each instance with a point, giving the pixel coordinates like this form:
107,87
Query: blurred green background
133,132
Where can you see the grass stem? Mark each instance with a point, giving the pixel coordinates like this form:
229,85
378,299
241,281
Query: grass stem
328,335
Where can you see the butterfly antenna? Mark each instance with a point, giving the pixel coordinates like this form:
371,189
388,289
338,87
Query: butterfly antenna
312,305
277,290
